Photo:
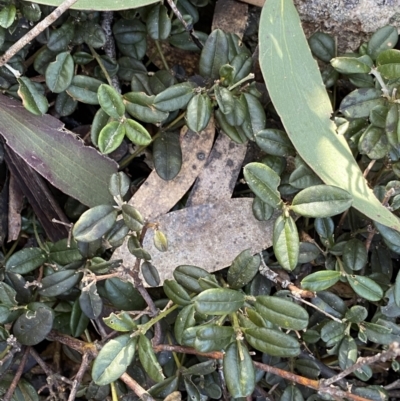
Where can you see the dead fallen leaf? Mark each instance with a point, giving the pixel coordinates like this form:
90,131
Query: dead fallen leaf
209,236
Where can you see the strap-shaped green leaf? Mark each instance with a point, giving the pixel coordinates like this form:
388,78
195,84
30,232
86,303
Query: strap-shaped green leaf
219,301
365,287
300,98
101,5
148,359
320,281
59,282
25,260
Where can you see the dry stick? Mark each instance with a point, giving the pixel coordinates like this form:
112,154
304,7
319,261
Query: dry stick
136,387
274,277
392,352
39,28
304,381
18,374
79,376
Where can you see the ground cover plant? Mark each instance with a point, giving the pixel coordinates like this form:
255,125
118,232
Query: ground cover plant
313,317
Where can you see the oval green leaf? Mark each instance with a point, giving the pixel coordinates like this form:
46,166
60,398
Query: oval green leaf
111,101
60,72
167,155
320,281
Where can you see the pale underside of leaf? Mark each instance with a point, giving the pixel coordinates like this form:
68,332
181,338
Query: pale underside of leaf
299,96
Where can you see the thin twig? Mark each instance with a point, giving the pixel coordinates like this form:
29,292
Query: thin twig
274,277
79,376
136,387
39,28
392,352
17,377
318,309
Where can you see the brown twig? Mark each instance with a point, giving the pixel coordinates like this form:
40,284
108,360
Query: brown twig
277,279
136,387
304,381
17,377
79,376
39,28
392,352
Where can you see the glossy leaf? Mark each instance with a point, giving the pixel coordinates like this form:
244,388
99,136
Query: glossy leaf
321,201
365,287
32,326
243,269
136,133
60,72
351,65
383,39
84,89
150,274
219,301
59,282
119,184
390,236
111,136
235,133
176,293
141,106
347,352
184,320
113,359
60,38
264,182
262,211
392,125
148,359
322,46
167,155
356,314
136,250
132,218
120,322
25,260
282,312
286,242
123,295
360,102
332,333
320,281
274,142
160,241
214,54
79,321
175,97
272,342
7,15
110,101
90,301
354,254
32,100
374,143
94,223
280,37
211,337
187,276
198,112
158,23
238,370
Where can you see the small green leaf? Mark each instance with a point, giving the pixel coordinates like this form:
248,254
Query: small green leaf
261,210
175,97
90,301
219,301
160,241
148,359
214,54
188,276
354,254
119,184
332,333
224,99
396,290
150,274
272,342
65,105
100,120
291,393
123,295
286,242
59,282
239,370
274,142
167,155
111,136
356,314
390,236
264,182
365,287
7,15
33,325
198,112
321,201
374,143
25,260
351,65
176,293
111,101
79,321
322,46
113,359
211,337
142,107
321,280
136,133
347,355
60,38
94,223
132,218
282,312
136,250
60,72
84,89
392,125
360,102
120,322
383,39
184,320
158,23
32,100
243,269
94,35
235,133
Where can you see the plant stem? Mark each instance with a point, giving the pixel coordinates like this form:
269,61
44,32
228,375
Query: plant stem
100,62
79,376
160,52
156,319
39,28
